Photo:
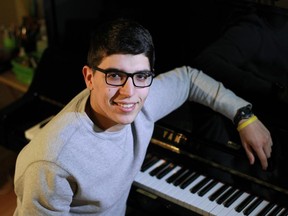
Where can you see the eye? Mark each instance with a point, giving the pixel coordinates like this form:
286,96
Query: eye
142,75
115,75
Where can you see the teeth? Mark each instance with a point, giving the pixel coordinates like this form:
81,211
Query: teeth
126,105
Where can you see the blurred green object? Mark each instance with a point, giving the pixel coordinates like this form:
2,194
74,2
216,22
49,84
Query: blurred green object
23,72
9,40
9,43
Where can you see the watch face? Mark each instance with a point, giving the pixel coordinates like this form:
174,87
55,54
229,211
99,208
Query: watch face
243,113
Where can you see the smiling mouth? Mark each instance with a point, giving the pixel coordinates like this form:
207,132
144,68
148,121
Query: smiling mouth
125,105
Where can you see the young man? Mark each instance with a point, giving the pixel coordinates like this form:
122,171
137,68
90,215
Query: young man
83,162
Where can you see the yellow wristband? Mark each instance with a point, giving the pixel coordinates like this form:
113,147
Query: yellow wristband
246,123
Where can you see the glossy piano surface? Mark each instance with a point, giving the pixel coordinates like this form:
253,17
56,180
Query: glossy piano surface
184,173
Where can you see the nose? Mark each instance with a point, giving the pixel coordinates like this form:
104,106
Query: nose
128,88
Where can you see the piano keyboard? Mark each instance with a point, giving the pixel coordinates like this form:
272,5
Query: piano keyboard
199,193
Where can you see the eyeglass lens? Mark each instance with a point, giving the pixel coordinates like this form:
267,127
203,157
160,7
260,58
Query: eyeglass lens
140,79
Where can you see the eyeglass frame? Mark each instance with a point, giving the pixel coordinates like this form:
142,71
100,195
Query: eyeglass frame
106,71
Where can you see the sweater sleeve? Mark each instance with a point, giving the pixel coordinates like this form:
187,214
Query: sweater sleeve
170,90
48,190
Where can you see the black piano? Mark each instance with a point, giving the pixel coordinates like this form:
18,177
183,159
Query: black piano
184,175
191,166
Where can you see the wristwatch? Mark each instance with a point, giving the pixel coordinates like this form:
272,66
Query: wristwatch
243,113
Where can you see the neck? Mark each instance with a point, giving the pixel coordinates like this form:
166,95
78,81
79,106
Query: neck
98,119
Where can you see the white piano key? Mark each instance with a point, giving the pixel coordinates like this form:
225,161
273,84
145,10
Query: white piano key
197,200
175,194
180,175
143,176
230,210
281,213
220,207
235,213
205,203
158,163
160,185
168,190
172,172
185,198
188,199
154,184
274,208
211,205
259,208
282,210
269,208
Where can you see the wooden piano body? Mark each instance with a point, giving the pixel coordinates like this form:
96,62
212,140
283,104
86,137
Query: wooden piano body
180,32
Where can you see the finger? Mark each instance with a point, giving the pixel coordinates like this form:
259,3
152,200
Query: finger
263,159
249,154
268,150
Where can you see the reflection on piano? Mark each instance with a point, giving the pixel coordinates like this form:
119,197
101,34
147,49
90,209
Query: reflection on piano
179,175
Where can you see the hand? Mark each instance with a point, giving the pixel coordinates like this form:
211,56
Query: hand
256,139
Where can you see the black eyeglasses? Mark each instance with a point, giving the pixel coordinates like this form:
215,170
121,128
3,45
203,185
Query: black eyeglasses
114,77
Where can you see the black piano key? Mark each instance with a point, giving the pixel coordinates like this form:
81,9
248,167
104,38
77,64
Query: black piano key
284,213
189,180
244,203
177,175
225,195
148,157
182,178
148,162
275,211
159,168
252,206
165,171
232,199
199,185
207,188
266,209
217,193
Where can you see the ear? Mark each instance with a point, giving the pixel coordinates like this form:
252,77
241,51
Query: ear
88,76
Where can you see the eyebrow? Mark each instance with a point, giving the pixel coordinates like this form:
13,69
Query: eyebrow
118,70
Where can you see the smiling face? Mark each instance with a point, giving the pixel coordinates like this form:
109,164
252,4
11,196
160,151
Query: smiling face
112,107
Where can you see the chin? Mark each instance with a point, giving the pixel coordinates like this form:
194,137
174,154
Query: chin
126,121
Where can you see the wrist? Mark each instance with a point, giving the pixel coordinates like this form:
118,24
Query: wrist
243,113
244,123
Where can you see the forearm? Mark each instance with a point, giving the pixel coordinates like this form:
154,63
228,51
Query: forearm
209,92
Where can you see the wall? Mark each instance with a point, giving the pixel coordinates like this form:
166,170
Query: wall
282,3
12,11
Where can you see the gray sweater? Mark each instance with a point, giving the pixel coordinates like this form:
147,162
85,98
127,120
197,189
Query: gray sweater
71,167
